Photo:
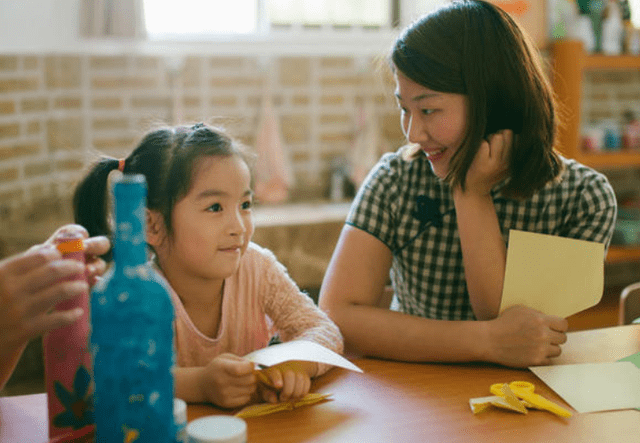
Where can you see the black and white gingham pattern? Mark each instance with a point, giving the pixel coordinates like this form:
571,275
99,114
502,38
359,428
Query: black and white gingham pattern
403,204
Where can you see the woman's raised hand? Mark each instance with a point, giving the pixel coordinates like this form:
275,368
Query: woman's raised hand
490,164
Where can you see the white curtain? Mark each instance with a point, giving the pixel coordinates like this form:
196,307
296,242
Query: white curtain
112,18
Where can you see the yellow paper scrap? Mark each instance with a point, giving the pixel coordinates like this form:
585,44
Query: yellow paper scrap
480,404
269,408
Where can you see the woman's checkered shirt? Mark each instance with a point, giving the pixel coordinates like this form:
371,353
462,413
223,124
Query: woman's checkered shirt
404,205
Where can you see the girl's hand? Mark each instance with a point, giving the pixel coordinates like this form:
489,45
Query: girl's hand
291,381
228,381
523,337
490,164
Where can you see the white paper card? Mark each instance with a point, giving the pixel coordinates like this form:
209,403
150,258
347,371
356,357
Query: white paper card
302,350
592,387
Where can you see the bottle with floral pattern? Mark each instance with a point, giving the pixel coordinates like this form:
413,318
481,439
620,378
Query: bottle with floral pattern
132,332
67,360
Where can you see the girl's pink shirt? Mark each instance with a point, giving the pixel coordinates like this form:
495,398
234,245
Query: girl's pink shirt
259,300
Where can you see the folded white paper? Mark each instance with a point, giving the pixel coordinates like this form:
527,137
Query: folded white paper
301,350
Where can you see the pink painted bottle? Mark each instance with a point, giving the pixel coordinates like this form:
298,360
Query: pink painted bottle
67,359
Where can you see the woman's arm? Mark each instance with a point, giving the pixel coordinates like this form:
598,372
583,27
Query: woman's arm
350,293
484,253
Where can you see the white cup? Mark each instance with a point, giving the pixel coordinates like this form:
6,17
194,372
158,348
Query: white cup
217,429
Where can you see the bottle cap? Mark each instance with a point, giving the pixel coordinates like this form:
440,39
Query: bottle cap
217,429
67,247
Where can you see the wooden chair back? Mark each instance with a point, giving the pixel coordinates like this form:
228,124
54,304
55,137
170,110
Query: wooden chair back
629,308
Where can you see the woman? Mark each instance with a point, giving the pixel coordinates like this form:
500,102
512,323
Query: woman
480,119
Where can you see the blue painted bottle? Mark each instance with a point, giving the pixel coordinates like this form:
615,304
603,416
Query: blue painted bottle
132,333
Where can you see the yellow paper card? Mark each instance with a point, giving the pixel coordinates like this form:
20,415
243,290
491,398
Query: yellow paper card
555,275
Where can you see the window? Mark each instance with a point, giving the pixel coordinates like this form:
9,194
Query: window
206,19
193,18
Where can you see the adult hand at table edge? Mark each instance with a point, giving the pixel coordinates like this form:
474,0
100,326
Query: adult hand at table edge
522,337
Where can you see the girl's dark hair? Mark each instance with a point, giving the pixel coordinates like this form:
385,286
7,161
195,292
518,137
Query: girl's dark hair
474,48
168,158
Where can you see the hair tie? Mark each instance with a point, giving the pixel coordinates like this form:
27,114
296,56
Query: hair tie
121,165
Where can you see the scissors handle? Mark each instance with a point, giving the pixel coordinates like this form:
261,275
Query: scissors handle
539,401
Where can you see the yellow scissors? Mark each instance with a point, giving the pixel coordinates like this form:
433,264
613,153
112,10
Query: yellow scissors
524,391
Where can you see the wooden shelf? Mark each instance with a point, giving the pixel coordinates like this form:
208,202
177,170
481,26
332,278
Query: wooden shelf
570,61
603,160
599,61
623,254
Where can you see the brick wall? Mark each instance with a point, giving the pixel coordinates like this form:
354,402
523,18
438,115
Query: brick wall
58,111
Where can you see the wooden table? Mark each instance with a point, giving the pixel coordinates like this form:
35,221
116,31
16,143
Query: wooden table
405,402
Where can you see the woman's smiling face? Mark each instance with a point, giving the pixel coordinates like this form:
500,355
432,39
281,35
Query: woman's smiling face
437,121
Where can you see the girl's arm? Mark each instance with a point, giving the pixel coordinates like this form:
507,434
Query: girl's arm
294,314
484,253
351,291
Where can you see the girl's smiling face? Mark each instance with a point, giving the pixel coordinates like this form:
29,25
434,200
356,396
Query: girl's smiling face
213,223
434,120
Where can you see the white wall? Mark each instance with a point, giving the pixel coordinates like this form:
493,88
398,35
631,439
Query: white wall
38,25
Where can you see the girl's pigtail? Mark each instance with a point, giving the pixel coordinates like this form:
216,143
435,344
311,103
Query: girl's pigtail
90,202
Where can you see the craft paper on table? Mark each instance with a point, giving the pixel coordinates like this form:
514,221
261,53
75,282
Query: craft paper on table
635,359
555,275
301,350
593,387
261,409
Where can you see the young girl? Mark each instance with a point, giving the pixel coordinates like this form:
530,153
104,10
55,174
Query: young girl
230,295
479,115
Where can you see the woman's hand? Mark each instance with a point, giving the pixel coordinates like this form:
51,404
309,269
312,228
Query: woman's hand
523,337
290,381
228,381
490,164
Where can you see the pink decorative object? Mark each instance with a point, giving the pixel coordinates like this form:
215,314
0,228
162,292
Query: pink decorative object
368,144
67,361
274,175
